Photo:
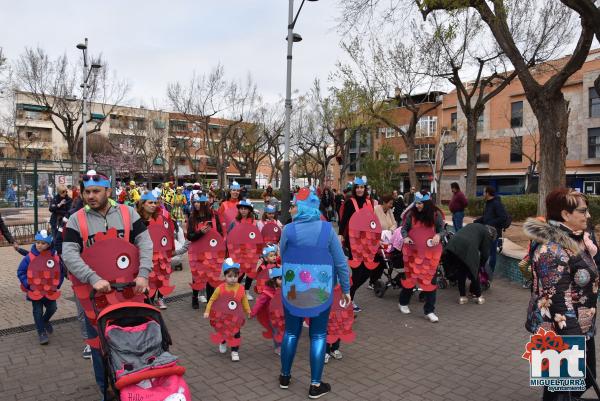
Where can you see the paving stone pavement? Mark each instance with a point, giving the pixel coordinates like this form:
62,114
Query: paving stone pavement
473,353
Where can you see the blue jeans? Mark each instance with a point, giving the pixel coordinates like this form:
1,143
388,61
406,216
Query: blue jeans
457,220
40,317
493,253
318,343
97,361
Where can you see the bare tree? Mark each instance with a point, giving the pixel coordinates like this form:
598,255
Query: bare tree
52,84
442,155
392,66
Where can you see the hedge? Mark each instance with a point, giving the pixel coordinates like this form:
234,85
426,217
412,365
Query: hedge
257,193
520,207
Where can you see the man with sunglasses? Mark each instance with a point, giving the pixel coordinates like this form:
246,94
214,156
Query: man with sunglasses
98,216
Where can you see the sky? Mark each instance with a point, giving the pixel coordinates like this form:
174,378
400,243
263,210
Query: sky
153,43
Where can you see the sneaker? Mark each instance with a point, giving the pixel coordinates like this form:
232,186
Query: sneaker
432,317
203,299
404,309
284,381
44,338
277,350
49,328
336,354
235,357
463,300
195,304
479,300
327,357
305,324
371,286
356,308
223,348
87,352
249,296
318,391
161,303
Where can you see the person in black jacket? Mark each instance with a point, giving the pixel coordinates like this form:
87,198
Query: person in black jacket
399,207
59,207
201,213
494,214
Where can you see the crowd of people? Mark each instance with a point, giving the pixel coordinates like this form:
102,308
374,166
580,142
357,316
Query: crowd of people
231,247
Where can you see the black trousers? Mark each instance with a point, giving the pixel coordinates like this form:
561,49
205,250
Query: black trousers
590,353
247,283
359,276
333,347
234,349
209,292
457,268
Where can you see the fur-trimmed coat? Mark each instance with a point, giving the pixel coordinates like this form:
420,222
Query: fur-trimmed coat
565,281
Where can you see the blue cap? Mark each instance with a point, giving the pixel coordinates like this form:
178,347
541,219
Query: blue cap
199,198
275,272
148,196
268,249
43,236
245,203
229,264
235,185
93,179
360,180
419,197
270,209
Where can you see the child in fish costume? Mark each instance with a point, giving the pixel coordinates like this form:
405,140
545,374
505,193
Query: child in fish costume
268,309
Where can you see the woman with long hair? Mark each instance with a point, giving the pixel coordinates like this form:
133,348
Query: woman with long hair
227,209
245,215
423,224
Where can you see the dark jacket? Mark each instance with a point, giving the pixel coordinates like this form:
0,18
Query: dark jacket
399,207
565,281
195,235
58,212
471,244
494,214
5,232
458,203
348,211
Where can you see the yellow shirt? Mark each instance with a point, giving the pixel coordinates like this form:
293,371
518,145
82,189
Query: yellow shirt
233,288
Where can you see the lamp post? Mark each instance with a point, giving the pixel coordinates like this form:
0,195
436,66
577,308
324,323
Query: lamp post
285,180
85,86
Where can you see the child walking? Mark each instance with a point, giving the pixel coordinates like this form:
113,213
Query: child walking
226,314
268,260
261,308
40,275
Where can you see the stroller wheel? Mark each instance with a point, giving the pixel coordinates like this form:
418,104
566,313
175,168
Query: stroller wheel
379,288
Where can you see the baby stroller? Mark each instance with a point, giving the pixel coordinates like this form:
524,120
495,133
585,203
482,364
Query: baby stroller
440,275
135,349
393,272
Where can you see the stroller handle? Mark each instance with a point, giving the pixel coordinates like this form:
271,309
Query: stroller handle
115,286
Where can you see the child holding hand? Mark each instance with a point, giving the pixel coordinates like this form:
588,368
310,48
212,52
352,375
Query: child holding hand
261,309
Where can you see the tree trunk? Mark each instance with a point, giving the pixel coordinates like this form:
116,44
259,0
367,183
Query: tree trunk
410,153
253,169
552,113
471,185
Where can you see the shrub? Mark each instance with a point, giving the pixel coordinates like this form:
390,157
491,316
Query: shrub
594,206
257,193
519,207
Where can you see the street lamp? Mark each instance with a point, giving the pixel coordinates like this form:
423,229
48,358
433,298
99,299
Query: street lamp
93,69
285,180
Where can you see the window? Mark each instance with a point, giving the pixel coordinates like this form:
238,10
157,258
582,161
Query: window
594,103
480,122
516,149
516,114
450,152
453,121
424,152
426,126
353,165
402,157
390,132
594,143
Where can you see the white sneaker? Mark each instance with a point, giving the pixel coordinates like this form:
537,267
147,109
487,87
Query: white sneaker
161,303
222,348
235,357
432,317
202,298
87,352
336,354
278,350
463,300
479,300
327,356
404,309
249,295
304,324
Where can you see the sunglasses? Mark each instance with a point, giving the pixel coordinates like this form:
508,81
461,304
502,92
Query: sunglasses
95,178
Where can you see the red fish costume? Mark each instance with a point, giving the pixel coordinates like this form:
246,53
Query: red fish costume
114,259
271,232
244,244
161,232
206,257
228,212
263,276
227,316
272,317
364,232
341,319
43,276
420,260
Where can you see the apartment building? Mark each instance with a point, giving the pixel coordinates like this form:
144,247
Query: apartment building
507,139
